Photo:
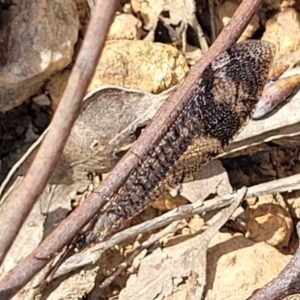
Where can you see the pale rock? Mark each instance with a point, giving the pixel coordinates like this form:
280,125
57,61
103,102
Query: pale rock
283,30
238,266
125,26
38,40
269,220
150,67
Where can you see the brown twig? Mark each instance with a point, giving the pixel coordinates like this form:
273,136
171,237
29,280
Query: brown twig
205,238
94,253
24,197
17,278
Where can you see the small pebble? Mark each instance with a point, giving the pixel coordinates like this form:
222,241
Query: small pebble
42,100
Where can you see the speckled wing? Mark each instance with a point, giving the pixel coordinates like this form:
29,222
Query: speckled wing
219,107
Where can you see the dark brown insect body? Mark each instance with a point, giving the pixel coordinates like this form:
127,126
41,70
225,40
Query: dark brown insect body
217,111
